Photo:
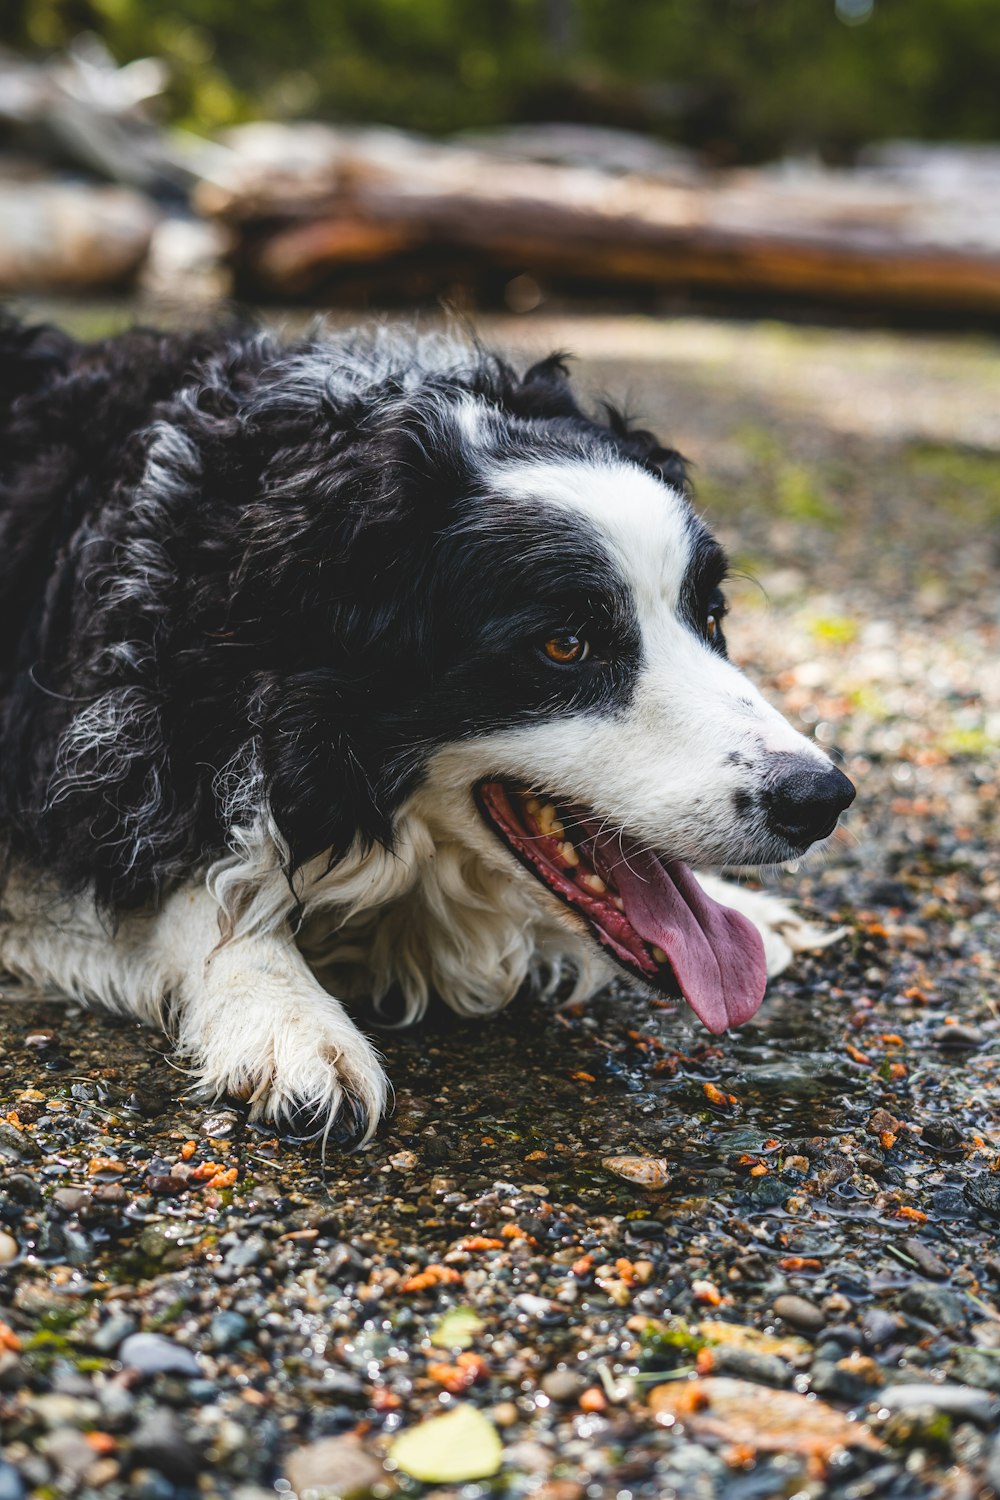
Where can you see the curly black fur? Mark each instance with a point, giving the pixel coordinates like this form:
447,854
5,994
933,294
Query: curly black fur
237,572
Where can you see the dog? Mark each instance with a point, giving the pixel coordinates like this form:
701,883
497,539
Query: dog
365,666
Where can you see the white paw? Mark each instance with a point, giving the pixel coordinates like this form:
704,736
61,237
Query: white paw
784,932
306,1065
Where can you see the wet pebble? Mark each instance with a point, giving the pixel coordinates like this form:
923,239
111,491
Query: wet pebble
112,1331
226,1329
961,1401
9,1248
983,1193
11,1486
799,1313
159,1443
153,1354
338,1467
958,1036
563,1386
934,1304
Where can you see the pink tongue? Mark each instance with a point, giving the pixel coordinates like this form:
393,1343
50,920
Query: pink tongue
716,954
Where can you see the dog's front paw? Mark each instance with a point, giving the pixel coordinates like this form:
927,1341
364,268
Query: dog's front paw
306,1068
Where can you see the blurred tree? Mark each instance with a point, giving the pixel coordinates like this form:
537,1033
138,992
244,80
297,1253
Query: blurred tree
741,78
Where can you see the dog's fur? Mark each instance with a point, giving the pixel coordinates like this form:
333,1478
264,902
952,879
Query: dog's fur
268,614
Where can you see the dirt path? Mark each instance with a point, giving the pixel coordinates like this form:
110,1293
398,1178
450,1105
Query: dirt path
829,1226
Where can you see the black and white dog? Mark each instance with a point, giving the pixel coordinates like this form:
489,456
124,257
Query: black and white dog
363,666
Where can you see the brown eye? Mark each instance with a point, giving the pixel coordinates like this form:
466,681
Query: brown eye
566,649
712,627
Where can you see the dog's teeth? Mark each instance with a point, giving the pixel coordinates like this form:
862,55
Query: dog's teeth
569,853
658,954
617,901
593,883
547,819
532,806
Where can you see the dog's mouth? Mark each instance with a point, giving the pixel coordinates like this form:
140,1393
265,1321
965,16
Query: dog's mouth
645,909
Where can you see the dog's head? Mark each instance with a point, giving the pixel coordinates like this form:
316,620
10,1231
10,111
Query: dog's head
516,624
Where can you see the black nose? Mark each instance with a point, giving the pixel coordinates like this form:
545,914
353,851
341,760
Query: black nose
804,800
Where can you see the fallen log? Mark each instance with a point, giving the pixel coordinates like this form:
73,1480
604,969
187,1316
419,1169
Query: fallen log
71,237
308,206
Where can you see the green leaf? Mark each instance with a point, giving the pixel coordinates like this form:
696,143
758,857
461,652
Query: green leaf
457,1329
449,1449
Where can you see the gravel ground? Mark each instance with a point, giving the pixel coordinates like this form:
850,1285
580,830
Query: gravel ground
621,1258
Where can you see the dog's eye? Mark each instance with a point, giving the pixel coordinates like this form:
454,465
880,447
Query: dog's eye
714,617
566,648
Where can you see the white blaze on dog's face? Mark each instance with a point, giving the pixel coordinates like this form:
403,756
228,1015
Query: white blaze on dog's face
604,805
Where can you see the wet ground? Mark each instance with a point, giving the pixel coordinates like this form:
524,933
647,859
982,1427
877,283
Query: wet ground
794,1289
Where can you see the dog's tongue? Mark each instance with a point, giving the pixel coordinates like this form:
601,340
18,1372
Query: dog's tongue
716,954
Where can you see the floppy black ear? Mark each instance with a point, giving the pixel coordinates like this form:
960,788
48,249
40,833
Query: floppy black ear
646,449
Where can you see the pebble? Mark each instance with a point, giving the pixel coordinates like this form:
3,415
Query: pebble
880,1327
335,1467
72,1455
159,1443
9,1248
934,1304
563,1386
246,1253
54,1410
153,1354
983,1192
226,1329
749,1364
112,1331
929,1263
958,1036
799,1313
978,1367
17,1144
11,1487
962,1401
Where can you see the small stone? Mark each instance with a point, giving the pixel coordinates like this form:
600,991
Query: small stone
9,1248
983,1193
928,1263
69,1450
749,1364
11,1487
505,1414
799,1313
938,1305
563,1386
958,1036
159,1443
404,1161
336,1468
961,1401
112,1331
246,1253
17,1144
880,1327
152,1354
71,1200
54,1410
226,1329
978,1367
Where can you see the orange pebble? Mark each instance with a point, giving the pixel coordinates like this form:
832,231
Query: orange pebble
593,1399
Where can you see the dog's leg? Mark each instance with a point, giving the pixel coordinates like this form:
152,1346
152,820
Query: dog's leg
784,932
247,1014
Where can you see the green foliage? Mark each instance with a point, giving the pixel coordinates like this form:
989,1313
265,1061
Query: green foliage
741,78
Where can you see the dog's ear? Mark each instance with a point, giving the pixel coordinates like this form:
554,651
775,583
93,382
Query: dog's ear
646,449
319,790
